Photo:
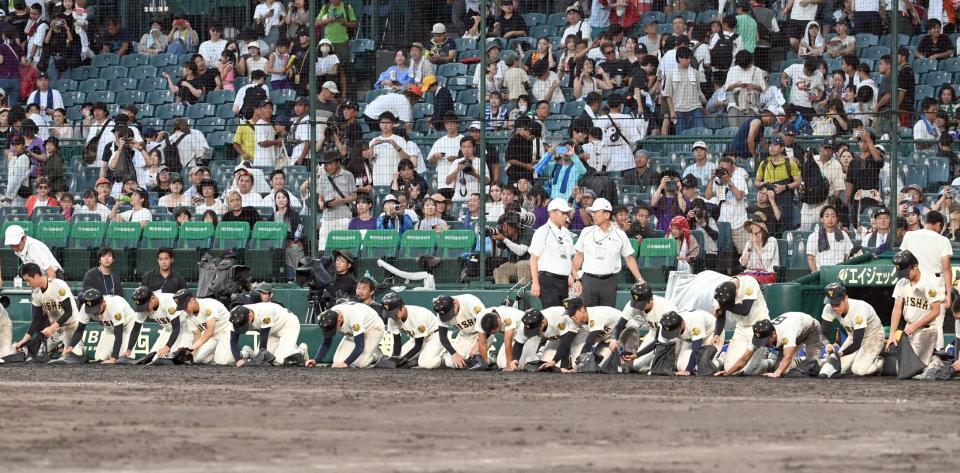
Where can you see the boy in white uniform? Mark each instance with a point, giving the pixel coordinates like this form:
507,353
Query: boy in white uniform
114,315
598,322
555,331
506,320
279,330
644,310
742,299
785,333
211,344
54,309
458,312
860,352
175,331
362,329
423,349
918,299
690,329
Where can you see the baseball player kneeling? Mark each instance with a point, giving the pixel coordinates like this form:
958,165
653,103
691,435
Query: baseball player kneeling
785,333
54,311
278,328
554,332
598,323
211,343
423,349
690,329
506,320
740,298
117,318
458,312
175,332
644,310
918,299
860,352
362,329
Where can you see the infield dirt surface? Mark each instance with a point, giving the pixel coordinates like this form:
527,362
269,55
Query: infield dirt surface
178,419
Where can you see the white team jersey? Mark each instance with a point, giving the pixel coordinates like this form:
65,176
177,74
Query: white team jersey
271,315
466,318
558,324
52,299
602,319
166,311
212,309
750,290
697,324
661,306
358,318
116,312
420,323
860,315
918,298
510,319
794,328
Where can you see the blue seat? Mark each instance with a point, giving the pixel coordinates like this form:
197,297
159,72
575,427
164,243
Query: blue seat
122,84
150,84
200,110
134,60
142,72
938,170
73,98
217,97
92,85
160,97
113,72
133,97
914,174
105,60
104,96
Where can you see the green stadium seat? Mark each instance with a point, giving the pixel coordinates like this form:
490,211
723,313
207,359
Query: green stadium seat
380,243
796,242
65,85
200,110
169,111
454,243
657,256
160,97
123,235
282,96
113,72
344,240
92,85
265,255
219,97
25,224
195,235
131,61
137,97
150,84
84,72
414,243
54,233
268,235
159,234
143,72
73,98
46,217
231,235
121,84
85,217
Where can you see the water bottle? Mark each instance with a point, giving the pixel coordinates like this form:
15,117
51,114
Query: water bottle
18,282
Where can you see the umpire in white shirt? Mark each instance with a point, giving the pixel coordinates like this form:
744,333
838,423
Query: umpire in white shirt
551,256
31,250
599,250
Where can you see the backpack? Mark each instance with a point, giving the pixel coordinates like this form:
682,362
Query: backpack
251,98
721,56
222,277
171,154
815,188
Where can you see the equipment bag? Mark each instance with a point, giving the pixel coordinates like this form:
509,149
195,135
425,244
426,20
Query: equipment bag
909,364
222,277
664,359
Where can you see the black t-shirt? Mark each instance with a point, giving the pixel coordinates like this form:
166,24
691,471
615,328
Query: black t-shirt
928,46
521,150
514,23
247,214
906,81
19,22
156,282
209,79
619,71
864,174
186,95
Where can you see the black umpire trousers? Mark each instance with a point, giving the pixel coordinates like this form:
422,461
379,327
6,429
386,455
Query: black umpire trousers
553,289
599,290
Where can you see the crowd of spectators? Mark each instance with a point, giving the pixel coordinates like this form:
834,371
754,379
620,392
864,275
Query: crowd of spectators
569,110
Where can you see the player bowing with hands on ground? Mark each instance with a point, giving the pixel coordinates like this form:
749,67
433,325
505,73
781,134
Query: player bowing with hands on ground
555,331
860,352
598,323
458,312
785,333
644,310
423,349
114,314
211,342
54,312
741,298
279,330
175,332
506,320
690,329
362,329
918,299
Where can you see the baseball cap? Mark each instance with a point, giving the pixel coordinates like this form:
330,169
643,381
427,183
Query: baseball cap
42,75
776,140
91,299
264,288
532,320
438,28
197,169
351,104
392,303
881,211
475,126
302,101
650,20
912,209
417,44
835,293
572,304
788,132
13,235
428,81
670,325
331,86
600,204
690,181
903,262
102,180
389,198
573,8
762,332
700,144
559,204
182,297
828,143
141,298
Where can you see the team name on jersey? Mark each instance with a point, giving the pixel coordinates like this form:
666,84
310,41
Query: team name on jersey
106,323
466,324
52,306
917,302
162,320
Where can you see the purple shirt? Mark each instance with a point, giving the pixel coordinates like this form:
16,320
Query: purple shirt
541,215
358,223
10,68
665,210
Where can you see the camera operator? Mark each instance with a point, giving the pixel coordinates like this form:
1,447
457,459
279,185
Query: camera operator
667,201
767,205
466,173
60,46
393,216
511,243
727,189
122,161
699,216
338,191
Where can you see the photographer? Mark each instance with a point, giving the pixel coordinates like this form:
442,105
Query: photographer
699,217
666,200
122,162
466,172
767,205
394,217
511,242
564,167
727,189
60,48
407,177
338,190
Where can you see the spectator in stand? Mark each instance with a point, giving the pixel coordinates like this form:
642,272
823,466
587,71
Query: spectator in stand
91,206
175,198
431,219
406,177
265,137
209,199
191,144
163,278
907,86
398,75
688,249
442,48
766,204
465,175
509,24
244,186
684,97
298,16
337,190
805,82
258,79
253,61
113,40
182,216
801,15
388,150
783,174
747,26
399,106
53,167
293,249
878,238
238,212
213,48
393,216
843,43
830,170
641,174
591,79
701,168
934,44
727,188
153,42
101,277
575,24
744,84
761,252
829,245
267,18
182,39
667,201
925,129
209,77
278,182
364,219
48,99
60,128
337,18
651,37
42,198
188,89
35,32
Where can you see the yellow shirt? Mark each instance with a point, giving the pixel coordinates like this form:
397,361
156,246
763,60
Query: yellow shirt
245,138
769,172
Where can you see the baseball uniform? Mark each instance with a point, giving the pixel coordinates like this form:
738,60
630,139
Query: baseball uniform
795,329
558,325
510,321
359,320
116,313
164,315
698,326
51,301
862,361
929,247
917,300
465,322
216,350
422,325
748,290
600,324
284,328
636,320
6,333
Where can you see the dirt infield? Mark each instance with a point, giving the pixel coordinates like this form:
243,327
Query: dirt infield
95,418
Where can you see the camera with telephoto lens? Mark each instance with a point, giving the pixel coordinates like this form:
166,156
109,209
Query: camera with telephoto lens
332,128
699,214
491,231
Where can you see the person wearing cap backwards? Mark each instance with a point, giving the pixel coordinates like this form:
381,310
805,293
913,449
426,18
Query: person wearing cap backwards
860,352
31,250
420,325
643,310
783,174
362,330
506,320
54,316
278,331
597,323
831,171
785,334
741,299
576,27
919,298
175,331
211,342
933,251
458,312
338,190
551,256
599,251
114,315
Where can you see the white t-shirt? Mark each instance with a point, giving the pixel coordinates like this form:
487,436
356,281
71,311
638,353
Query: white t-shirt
264,156
450,146
34,251
217,206
392,102
211,51
581,27
269,22
465,184
802,85
191,148
326,63
251,199
835,255
139,216
929,247
731,209
242,93
918,298
386,158
801,12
